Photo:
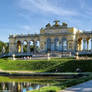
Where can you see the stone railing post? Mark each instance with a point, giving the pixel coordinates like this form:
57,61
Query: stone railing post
77,55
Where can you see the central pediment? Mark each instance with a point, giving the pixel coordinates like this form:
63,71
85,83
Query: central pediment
57,28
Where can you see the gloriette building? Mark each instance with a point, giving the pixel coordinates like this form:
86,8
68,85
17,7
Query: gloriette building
53,38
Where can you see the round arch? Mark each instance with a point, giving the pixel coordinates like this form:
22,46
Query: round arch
32,45
64,44
25,44
48,44
56,44
18,46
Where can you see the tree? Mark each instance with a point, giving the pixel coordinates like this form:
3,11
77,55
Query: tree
4,47
1,46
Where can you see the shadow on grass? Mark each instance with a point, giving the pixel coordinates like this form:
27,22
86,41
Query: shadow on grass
71,66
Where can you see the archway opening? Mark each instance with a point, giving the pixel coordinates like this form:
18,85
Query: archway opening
48,44
25,44
64,44
56,44
90,44
18,46
32,46
37,46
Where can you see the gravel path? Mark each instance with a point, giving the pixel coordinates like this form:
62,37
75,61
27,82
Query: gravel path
10,71
84,87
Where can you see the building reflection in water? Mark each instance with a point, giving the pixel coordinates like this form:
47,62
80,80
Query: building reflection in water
19,86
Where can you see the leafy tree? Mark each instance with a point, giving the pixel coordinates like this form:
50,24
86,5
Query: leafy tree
4,46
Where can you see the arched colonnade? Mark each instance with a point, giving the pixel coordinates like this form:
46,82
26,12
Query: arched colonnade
84,44
26,46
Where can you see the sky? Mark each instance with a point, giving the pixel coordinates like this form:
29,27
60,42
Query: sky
28,16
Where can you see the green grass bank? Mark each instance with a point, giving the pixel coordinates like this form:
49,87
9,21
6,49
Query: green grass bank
61,65
53,65
63,85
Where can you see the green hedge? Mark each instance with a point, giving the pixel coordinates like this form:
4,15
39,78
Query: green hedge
87,55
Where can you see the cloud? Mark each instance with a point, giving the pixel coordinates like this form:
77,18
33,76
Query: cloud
45,6
26,27
74,12
82,3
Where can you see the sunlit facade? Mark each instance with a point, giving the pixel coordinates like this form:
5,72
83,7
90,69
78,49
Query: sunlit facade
52,38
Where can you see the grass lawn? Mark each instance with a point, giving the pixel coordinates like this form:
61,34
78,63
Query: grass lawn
29,65
63,85
61,65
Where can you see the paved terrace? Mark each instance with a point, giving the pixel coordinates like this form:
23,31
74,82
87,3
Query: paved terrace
84,87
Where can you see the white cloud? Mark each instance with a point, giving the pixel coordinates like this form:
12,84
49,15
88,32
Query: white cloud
46,7
26,27
82,3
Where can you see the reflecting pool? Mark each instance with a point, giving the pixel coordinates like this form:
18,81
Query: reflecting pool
19,86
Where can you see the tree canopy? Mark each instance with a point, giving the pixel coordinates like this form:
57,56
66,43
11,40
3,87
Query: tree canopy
4,47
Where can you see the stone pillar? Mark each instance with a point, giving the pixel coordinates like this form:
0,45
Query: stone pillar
81,49
67,45
52,46
84,44
87,44
80,45
21,47
35,44
91,44
77,46
60,46
45,46
28,47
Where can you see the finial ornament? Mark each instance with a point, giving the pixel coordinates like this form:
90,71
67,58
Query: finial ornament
56,22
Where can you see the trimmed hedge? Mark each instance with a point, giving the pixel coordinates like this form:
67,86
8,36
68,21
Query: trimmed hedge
87,55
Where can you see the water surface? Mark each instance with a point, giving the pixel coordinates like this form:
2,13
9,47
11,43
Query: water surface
19,86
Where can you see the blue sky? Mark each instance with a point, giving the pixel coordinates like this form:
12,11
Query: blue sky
28,16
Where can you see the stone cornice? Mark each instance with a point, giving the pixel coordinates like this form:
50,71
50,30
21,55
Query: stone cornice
38,35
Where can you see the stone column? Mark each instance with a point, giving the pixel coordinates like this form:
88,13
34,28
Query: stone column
77,46
91,44
67,45
28,47
84,44
80,45
52,46
87,44
60,46
21,47
34,44
45,46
